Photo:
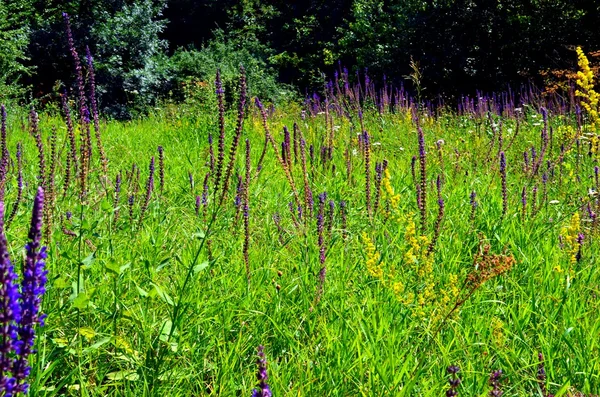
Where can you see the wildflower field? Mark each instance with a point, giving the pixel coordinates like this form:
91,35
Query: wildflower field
362,242
366,249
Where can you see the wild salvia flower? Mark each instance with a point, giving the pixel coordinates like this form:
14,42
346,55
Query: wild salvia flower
94,107
454,381
15,207
321,283
191,179
287,152
524,201
423,183
130,202
545,187
49,188
116,199
237,201
83,110
10,313
149,189
33,287
296,139
221,143
503,180
84,114
321,227
34,131
4,159
262,389
161,169
246,211
495,383
238,131
367,155
438,226
205,189
198,204
72,155
534,200
580,238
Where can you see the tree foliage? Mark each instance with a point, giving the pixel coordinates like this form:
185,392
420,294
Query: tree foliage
144,49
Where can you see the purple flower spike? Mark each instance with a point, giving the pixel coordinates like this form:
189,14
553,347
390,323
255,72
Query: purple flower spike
33,287
262,389
10,312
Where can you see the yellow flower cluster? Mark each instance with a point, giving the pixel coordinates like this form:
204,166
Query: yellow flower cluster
570,234
388,191
414,283
374,263
497,327
589,97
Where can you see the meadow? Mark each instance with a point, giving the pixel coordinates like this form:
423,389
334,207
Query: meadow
372,245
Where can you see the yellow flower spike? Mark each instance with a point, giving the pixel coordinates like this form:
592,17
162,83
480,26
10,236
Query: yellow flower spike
589,97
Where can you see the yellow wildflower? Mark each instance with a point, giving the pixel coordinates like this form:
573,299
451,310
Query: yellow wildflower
589,97
570,234
374,263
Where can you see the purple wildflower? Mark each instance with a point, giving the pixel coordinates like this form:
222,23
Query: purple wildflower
454,381
321,226
221,142
198,203
262,389
495,383
94,108
149,189
116,200
33,287
503,180
161,168
423,183
367,153
10,312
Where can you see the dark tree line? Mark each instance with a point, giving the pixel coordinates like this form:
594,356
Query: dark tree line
148,49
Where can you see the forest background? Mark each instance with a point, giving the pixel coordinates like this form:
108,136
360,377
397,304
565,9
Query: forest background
148,51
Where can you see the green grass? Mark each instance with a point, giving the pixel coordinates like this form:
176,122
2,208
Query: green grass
135,327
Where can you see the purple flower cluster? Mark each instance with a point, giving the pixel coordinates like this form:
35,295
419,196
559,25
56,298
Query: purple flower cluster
503,180
495,383
262,389
20,307
454,381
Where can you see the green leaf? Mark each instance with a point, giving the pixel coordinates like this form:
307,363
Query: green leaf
87,261
123,375
81,301
163,295
198,268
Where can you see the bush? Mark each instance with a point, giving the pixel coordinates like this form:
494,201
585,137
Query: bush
198,68
132,69
14,38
